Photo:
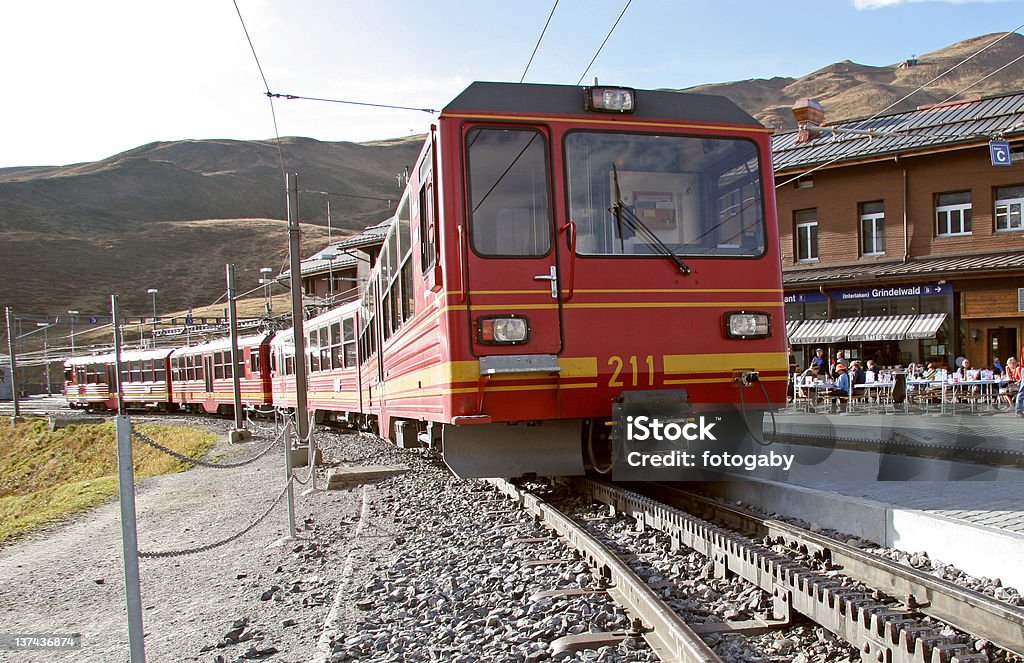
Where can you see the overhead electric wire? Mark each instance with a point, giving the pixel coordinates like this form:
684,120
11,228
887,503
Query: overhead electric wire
539,39
606,38
983,78
266,86
353,103
910,94
346,195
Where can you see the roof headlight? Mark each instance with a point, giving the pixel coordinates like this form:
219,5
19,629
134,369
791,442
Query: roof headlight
611,99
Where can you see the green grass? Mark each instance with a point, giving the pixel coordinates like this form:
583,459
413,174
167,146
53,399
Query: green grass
46,476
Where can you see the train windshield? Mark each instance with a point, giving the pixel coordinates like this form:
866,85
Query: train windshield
685,195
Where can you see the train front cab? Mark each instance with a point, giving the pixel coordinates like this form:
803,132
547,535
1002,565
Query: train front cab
593,253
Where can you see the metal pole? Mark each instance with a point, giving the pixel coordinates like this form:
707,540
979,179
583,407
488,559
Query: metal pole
117,354
288,478
298,335
129,539
46,357
14,362
126,489
236,366
73,314
153,292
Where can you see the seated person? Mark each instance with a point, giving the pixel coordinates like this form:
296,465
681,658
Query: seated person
843,387
814,373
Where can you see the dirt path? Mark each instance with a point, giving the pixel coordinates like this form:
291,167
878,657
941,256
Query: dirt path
70,577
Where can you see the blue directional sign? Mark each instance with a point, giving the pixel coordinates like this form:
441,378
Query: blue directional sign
999,151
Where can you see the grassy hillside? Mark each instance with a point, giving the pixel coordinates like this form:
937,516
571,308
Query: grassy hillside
45,476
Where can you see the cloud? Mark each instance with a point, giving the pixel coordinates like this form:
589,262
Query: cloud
878,4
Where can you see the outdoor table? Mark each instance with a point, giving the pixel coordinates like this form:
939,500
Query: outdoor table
958,389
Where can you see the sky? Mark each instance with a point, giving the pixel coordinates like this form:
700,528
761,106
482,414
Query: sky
85,80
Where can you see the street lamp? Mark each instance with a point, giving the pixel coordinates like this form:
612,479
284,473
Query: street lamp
329,257
46,359
73,314
266,281
153,291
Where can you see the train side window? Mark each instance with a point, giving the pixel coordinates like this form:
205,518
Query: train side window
218,366
159,370
404,227
325,349
254,361
349,342
509,189
428,230
312,351
336,360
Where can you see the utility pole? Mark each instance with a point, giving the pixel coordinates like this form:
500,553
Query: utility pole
126,490
239,434
14,362
298,334
73,315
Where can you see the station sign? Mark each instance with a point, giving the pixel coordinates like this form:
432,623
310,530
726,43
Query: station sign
886,292
881,292
999,152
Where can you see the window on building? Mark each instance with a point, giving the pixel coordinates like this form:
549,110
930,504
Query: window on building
872,228
953,214
806,235
1008,207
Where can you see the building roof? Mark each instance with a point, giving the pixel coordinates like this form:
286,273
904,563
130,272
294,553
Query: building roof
370,236
950,125
915,268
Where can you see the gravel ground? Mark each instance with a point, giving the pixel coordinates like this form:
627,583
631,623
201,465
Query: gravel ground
419,566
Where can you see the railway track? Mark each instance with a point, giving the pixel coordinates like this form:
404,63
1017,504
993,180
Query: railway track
885,611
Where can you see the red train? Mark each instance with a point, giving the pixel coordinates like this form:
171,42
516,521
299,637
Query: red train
557,249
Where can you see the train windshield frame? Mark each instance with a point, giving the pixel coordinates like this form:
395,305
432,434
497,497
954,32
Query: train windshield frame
699,196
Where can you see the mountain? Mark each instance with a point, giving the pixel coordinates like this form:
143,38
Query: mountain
169,215
848,90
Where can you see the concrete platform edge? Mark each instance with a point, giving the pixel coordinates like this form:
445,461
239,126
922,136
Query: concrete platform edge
976,549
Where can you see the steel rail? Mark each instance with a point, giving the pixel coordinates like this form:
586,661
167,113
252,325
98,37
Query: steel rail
669,636
880,632
976,613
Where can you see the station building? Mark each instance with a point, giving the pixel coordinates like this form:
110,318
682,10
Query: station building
903,234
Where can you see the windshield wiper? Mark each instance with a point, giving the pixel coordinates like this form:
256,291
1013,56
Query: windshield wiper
625,215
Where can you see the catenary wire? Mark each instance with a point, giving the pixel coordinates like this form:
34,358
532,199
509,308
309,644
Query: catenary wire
539,40
275,95
266,86
606,38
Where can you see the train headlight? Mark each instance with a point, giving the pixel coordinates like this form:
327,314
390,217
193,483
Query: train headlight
611,99
508,329
746,324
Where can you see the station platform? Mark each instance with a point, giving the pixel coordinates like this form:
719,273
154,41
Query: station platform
965,513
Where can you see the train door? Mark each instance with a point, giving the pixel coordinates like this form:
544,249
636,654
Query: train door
208,374
509,247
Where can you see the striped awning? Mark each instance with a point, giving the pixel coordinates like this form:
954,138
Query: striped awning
881,328
926,325
807,332
858,330
792,326
836,331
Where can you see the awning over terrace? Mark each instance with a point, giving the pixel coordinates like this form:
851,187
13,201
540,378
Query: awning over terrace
858,330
